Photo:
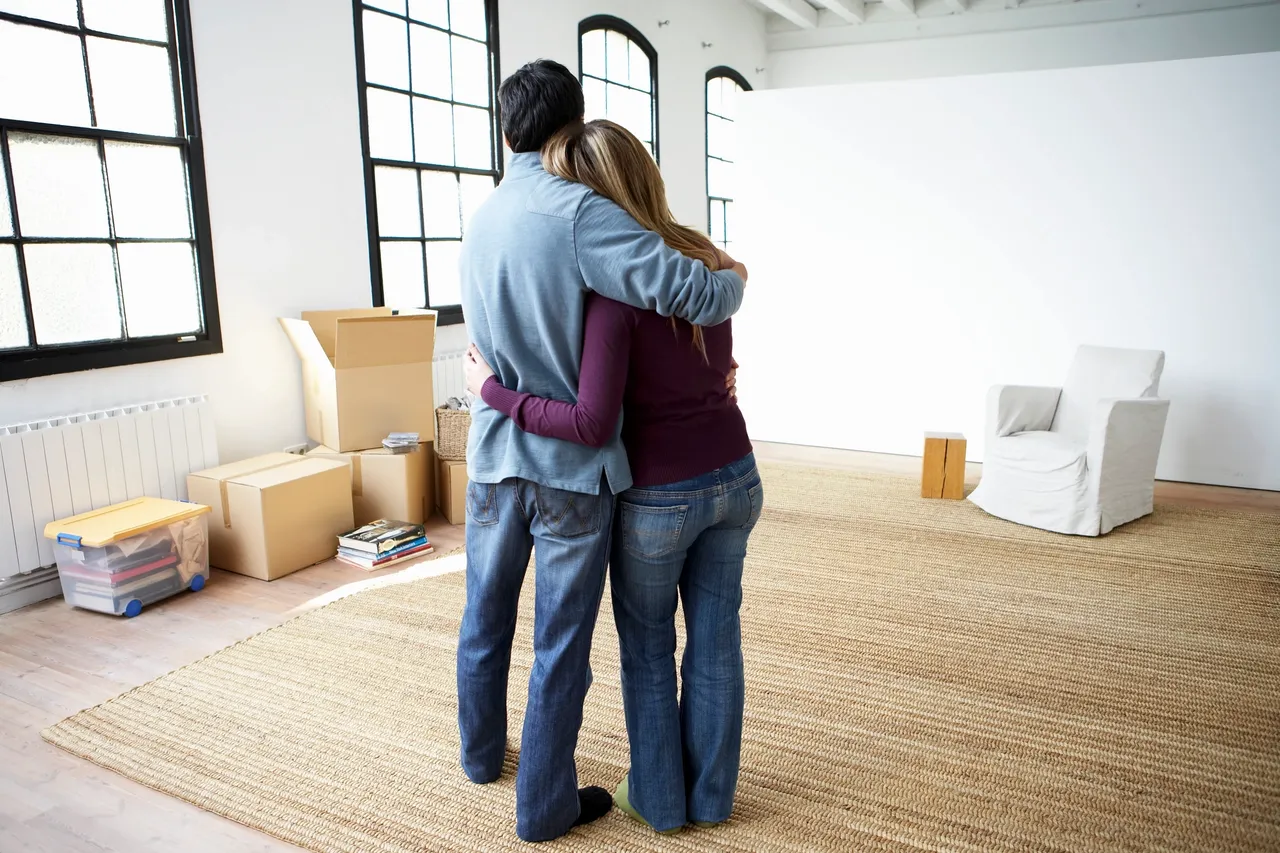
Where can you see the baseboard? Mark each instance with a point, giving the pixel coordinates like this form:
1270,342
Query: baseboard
22,590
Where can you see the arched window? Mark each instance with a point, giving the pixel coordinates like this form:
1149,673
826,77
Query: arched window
723,87
427,73
619,72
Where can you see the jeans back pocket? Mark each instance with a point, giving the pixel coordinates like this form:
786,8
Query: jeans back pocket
482,503
651,532
570,514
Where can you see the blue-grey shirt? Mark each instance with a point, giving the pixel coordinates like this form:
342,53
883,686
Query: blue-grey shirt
532,252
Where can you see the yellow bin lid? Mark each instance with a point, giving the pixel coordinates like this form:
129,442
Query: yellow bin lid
119,521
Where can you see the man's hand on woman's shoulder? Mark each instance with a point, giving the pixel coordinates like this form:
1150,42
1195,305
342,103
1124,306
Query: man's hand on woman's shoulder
726,262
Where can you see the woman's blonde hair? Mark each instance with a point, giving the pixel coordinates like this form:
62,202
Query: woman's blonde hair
609,159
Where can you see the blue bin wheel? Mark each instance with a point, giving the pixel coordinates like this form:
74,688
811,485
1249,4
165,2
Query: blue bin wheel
133,608
197,583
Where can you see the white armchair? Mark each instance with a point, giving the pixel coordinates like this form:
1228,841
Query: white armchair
1079,459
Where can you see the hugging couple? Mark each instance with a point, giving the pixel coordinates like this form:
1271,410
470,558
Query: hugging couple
579,285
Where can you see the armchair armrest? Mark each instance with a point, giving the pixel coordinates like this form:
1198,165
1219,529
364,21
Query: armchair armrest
1020,408
1124,447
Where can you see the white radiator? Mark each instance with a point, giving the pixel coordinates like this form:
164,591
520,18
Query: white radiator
448,378
64,466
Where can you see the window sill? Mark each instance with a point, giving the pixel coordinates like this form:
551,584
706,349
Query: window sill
29,365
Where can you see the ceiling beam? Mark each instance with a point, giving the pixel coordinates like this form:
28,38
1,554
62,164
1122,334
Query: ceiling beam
853,11
908,6
796,11
957,5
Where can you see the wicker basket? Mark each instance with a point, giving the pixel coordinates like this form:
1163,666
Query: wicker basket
452,426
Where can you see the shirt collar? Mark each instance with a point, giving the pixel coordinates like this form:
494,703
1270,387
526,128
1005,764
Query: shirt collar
523,165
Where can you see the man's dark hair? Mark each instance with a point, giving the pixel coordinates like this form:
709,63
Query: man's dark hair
537,101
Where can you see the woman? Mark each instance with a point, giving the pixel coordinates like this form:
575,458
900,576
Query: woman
682,529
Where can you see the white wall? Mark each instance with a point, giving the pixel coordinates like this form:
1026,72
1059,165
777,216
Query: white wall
286,186
943,235
1211,33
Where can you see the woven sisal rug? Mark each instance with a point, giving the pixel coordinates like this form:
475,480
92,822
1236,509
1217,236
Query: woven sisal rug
920,677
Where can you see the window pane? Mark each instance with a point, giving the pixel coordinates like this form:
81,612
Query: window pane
403,280
467,18
430,62
58,11
430,12
132,87
443,280
42,76
396,6
397,202
476,189
432,132
470,72
386,50
640,72
715,95
440,204
6,218
58,181
717,221
719,179
728,215
144,19
593,53
593,93
148,190
730,107
13,319
390,133
474,138
73,292
160,293
631,109
615,57
720,138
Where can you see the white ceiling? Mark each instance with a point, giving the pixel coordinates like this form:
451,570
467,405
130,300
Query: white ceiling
817,23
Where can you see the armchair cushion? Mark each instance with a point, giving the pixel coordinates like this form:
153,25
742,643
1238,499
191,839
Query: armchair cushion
1104,372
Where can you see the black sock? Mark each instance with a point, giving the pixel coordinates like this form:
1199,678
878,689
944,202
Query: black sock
595,803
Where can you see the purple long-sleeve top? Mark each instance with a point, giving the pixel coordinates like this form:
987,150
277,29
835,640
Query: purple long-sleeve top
681,421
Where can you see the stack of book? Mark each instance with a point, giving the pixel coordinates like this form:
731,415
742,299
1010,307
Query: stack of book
383,543
401,442
148,573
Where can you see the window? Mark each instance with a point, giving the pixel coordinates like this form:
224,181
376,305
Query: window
619,72
723,87
104,232
427,71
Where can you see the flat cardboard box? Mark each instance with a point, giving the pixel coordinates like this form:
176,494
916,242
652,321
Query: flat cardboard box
365,374
451,490
398,486
274,514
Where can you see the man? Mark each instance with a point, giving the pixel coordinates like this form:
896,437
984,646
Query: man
532,251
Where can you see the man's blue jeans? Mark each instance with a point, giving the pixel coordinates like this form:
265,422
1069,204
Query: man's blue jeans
684,541
572,533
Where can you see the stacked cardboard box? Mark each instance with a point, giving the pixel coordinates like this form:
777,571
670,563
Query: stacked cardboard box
366,373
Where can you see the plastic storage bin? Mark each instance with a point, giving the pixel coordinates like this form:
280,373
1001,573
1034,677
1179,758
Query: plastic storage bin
121,558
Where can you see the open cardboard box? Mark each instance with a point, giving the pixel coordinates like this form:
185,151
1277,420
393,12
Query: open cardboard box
366,373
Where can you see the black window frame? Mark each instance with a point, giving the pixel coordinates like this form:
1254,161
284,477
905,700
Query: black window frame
48,360
714,74
446,315
610,22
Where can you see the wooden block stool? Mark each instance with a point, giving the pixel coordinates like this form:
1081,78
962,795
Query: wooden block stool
943,466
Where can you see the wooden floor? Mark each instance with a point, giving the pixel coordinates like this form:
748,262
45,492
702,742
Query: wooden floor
55,660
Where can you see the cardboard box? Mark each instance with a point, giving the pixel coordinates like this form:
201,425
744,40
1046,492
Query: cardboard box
451,490
274,514
365,374
398,486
